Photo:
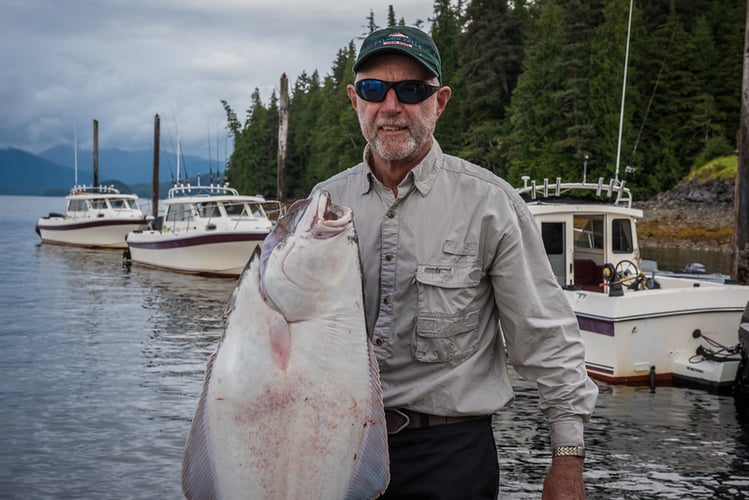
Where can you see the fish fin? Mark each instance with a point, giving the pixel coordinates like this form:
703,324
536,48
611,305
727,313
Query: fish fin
280,342
198,475
372,468
232,302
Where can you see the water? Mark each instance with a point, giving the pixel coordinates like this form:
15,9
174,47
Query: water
101,368
674,259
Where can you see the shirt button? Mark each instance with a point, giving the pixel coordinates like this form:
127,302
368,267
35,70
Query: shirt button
388,256
391,213
387,299
379,341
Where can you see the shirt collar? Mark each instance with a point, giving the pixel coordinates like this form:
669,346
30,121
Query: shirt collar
423,174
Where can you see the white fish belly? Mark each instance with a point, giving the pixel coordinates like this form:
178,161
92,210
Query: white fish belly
264,432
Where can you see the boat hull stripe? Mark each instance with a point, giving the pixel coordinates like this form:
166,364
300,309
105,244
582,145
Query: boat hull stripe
92,224
596,326
198,240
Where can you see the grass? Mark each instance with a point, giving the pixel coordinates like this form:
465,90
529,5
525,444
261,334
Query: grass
724,167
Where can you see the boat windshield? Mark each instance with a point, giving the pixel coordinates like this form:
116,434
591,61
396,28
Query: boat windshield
121,203
589,232
77,206
244,209
208,209
179,212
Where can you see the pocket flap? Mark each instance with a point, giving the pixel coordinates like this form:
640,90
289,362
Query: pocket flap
448,275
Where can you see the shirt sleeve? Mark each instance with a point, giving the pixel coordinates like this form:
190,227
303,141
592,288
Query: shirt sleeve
540,328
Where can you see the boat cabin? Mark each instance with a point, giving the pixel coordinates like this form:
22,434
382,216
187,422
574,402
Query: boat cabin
582,235
84,204
236,209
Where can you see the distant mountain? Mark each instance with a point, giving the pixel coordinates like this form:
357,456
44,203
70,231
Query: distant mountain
53,171
23,173
130,167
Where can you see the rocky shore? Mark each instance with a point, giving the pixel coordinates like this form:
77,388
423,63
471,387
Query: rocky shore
695,214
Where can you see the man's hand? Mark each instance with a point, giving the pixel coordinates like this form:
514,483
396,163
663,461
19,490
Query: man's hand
564,481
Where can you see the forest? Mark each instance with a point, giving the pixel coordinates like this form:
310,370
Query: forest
537,91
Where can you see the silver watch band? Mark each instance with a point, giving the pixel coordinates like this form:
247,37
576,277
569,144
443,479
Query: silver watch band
568,451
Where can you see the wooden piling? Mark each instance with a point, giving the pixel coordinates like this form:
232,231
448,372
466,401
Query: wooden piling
155,182
741,196
96,154
283,132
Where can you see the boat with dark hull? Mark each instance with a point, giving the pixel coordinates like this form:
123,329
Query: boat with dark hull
208,230
94,217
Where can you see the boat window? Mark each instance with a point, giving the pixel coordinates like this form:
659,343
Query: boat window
256,209
552,234
180,212
98,204
589,231
78,206
621,236
234,208
119,203
208,209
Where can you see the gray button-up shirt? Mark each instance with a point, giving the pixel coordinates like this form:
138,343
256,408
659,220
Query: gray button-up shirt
447,261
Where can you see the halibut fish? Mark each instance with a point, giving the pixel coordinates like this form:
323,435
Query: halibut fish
291,406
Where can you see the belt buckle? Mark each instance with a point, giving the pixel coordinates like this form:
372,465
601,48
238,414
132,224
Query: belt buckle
406,420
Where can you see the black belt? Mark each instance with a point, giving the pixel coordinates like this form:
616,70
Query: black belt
399,419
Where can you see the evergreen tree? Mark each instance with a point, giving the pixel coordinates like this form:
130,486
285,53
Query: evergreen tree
252,167
668,142
551,127
446,33
492,53
728,20
608,55
391,16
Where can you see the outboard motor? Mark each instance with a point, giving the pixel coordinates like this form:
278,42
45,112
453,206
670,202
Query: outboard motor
741,384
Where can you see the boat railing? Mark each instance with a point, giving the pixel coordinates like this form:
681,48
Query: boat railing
83,189
187,189
546,189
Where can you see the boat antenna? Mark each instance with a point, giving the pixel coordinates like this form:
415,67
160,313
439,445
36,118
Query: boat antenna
75,154
585,169
652,97
624,89
178,151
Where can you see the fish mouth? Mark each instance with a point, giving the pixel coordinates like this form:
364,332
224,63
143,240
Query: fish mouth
327,219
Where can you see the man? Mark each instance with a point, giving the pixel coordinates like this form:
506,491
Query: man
450,252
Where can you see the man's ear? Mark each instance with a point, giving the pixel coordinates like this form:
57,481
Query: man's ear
443,95
351,91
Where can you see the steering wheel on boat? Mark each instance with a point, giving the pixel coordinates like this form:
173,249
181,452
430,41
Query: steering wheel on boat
624,271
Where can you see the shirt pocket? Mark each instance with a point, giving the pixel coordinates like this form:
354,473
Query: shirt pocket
447,316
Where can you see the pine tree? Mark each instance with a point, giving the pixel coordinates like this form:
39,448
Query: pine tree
491,61
446,33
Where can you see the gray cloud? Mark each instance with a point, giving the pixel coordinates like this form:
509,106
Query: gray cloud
68,62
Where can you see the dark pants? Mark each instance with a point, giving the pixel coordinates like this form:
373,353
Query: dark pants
453,461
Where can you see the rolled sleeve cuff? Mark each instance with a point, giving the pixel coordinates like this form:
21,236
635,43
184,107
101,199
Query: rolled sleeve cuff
567,433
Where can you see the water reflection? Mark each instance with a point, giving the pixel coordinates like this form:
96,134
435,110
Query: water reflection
674,259
673,443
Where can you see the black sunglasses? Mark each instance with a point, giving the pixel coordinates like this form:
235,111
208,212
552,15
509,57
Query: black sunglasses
408,91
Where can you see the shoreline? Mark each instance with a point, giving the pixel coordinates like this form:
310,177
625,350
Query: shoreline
685,224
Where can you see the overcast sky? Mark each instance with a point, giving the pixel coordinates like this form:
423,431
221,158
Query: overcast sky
65,63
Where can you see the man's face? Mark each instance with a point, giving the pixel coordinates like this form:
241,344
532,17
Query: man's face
394,130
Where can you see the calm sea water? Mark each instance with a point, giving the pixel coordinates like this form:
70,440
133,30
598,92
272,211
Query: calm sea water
101,367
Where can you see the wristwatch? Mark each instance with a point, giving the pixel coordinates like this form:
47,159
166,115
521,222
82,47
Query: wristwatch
568,451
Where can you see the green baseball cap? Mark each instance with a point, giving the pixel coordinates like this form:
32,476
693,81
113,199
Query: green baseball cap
406,40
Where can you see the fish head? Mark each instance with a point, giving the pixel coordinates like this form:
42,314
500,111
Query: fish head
311,251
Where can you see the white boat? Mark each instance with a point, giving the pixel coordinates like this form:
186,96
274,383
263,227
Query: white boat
209,230
94,217
637,328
